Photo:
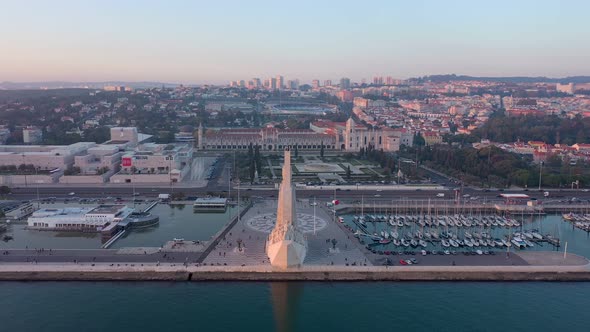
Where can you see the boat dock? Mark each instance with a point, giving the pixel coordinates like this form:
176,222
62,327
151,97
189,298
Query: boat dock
150,206
112,240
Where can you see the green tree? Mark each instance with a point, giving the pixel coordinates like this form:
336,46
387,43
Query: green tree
419,140
348,172
5,190
322,150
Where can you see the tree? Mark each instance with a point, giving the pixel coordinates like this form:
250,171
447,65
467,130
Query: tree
258,159
250,151
322,150
296,152
419,140
4,190
334,241
348,172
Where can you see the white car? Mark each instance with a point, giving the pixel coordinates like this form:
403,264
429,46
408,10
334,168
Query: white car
72,194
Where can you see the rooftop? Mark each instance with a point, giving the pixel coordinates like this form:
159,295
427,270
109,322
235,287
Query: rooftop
108,209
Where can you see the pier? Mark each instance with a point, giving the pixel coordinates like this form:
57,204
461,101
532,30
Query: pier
151,206
112,240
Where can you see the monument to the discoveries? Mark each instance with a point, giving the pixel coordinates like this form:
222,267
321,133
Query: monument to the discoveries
286,245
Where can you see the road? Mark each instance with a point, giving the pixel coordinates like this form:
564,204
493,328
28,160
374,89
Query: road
383,195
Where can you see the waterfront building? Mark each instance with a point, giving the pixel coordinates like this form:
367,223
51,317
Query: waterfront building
91,219
210,204
286,245
16,209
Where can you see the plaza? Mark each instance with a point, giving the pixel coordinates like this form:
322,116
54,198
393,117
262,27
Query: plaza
255,225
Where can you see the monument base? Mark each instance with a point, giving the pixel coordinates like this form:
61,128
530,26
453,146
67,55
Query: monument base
287,253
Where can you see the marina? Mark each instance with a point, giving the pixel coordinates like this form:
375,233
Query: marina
447,234
580,221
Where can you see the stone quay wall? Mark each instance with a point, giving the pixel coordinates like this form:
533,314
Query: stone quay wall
217,273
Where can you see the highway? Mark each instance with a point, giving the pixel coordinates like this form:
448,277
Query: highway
369,195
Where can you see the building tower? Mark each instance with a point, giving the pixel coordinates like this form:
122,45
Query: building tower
200,136
349,136
286,245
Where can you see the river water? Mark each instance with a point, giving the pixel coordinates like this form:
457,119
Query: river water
306,306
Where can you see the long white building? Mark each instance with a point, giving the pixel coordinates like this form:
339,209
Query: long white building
93,219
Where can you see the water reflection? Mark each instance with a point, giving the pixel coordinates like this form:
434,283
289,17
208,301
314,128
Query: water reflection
285,300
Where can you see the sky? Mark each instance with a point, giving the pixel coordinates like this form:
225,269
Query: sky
205,41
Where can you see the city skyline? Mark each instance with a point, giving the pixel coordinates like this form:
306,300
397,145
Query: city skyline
197,43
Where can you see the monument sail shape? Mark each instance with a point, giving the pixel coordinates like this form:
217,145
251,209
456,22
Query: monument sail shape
286,245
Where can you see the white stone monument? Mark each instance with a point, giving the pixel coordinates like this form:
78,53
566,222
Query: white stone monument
286,245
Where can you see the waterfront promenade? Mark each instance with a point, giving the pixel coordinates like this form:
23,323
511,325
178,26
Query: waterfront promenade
574,268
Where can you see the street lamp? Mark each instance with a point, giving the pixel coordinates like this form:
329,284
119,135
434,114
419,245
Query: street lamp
314,220
540,174
25,169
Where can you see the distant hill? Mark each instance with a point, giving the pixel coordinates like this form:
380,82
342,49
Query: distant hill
510,79
79,85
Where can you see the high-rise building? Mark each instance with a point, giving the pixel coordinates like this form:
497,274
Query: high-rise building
378,80
272,83
257,83
315,84
328,83
345,83
280,82
242,83
293,84
389,80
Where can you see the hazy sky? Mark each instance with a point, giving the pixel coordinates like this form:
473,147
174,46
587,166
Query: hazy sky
219,40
